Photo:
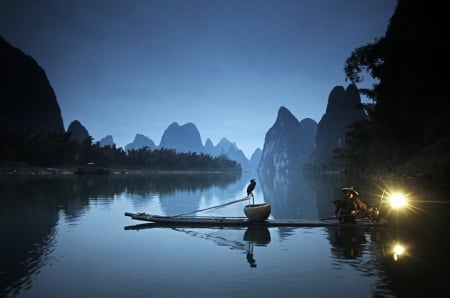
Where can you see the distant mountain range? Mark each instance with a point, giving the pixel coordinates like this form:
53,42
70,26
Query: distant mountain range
29,104
182,138
186,138
289,144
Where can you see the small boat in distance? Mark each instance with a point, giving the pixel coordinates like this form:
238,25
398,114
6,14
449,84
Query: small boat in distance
101,171
91,168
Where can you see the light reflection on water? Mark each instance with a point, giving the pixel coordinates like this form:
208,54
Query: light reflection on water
67,236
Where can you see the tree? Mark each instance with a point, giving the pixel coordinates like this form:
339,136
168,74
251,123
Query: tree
411,105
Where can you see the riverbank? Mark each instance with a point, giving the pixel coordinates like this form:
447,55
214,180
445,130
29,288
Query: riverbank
71,170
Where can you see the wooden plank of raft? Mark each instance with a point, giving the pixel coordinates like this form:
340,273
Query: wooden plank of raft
242,221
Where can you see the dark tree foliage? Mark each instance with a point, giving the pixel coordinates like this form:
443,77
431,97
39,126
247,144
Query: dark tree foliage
59,150
364,59
354,156
171,160
411,102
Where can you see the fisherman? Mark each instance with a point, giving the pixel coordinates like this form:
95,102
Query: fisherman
349,206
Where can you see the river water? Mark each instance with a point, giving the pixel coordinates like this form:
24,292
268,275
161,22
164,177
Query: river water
67,236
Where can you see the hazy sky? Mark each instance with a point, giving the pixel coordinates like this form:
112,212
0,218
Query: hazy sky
136,66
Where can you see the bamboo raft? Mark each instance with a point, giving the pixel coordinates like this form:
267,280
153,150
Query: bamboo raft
217,221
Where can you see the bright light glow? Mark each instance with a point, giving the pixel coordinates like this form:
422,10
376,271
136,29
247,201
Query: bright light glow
398,250
397,200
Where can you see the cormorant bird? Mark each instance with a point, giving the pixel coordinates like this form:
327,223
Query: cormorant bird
251,187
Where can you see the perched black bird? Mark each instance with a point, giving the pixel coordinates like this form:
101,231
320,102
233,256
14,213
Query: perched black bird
251,187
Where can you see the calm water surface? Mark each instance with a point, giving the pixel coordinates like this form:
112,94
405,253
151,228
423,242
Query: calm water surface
67,236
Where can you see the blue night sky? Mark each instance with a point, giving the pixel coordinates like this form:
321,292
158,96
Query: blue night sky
127,67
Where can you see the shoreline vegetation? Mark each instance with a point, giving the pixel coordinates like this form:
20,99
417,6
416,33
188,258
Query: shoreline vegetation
435,183
22,169
71,170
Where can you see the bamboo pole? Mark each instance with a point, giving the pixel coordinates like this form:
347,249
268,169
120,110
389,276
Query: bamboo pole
213,207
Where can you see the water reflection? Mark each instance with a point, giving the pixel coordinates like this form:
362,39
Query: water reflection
300,195
31,207
259,236
28,219
347,242
350,242
291,195
34,209
253,236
